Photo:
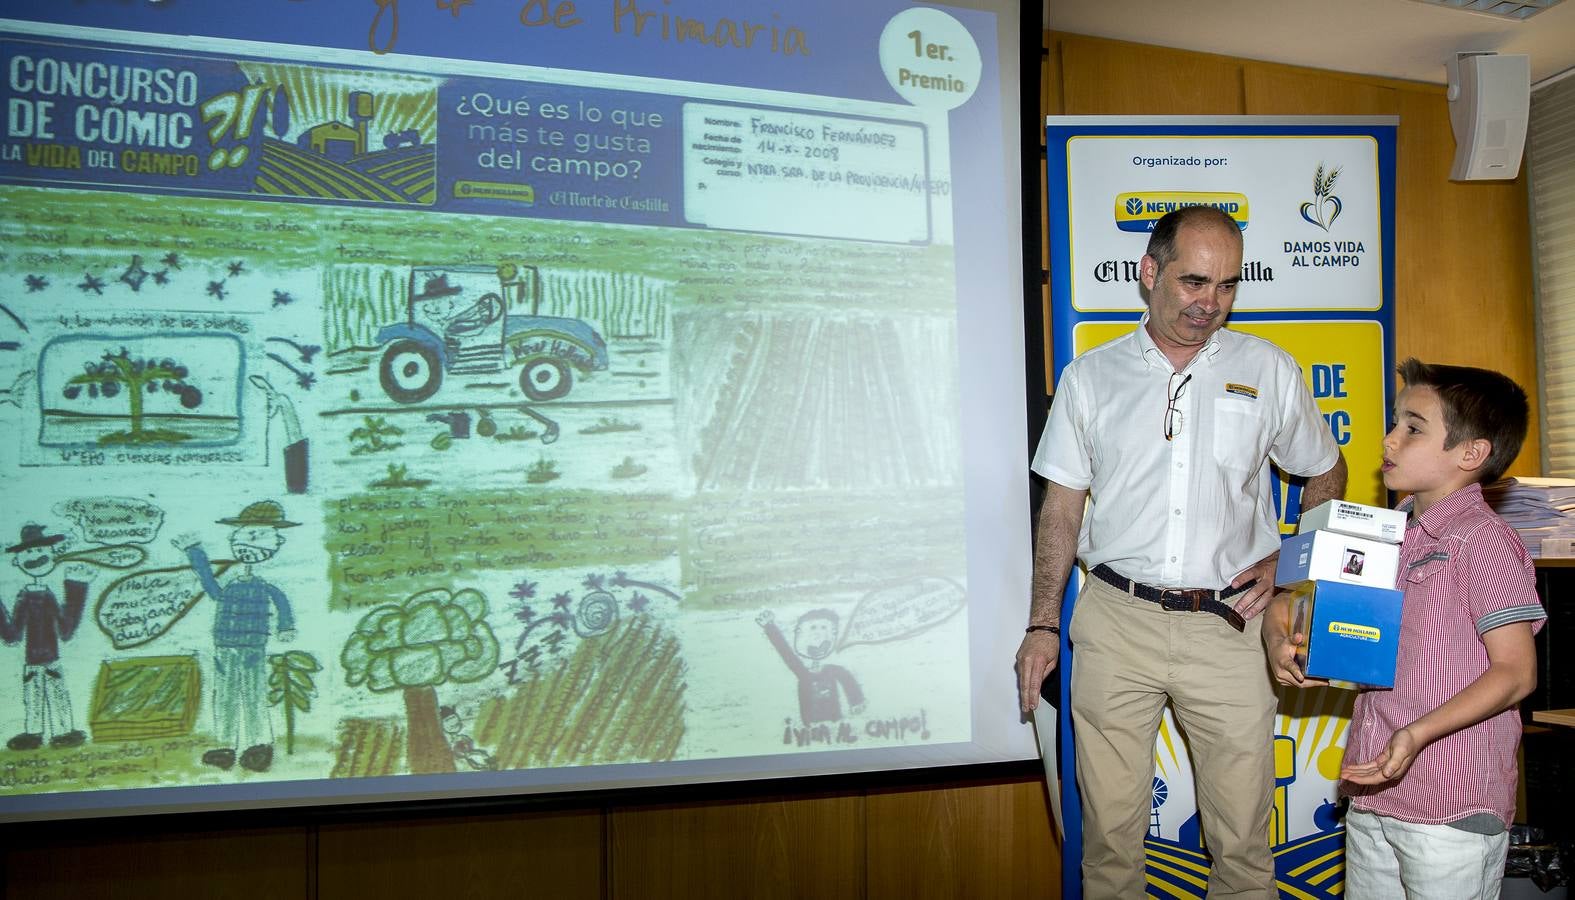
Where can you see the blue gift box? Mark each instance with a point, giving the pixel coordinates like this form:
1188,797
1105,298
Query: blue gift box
1352,632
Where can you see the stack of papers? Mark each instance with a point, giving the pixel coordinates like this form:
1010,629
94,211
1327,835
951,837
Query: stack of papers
1540,509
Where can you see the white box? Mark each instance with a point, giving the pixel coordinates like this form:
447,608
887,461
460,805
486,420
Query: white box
1332,556
1357,520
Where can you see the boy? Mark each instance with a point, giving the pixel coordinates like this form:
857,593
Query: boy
1430,765
819,683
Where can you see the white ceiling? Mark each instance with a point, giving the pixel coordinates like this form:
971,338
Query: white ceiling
1394,38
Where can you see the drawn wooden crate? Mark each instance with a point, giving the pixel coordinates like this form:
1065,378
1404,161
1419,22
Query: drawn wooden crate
145,697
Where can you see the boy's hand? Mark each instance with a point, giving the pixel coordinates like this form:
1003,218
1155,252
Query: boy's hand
1280,646
1281,650
1255,599
1390,765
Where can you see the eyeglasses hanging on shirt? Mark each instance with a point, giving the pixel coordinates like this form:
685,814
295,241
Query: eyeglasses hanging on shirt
1173,390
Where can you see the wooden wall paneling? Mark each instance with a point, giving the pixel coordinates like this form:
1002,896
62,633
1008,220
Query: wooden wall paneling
791,847
264,864
1044,209
981,841
1050,103
1272,90
1463,291
557,854
1115,78
1044,301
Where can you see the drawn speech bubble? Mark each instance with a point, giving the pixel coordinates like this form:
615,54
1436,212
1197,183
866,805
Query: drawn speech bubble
903,610
114,520
138,608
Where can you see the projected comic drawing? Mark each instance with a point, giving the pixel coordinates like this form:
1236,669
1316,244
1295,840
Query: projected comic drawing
248,610
42,624
143,698
481,524
292,444
307,132
822,686
458,324
292,684
496,491
893,613
607,656
434,638
92,395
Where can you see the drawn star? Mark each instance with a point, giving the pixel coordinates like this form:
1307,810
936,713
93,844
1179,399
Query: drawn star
638,602
282,298
453,6
562,601
135,274
36,283
216,289
236,267
91,283
171,260
524,590
593,581
161,277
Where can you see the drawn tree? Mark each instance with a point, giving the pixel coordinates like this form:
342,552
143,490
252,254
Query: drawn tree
433,638
118,373
290,684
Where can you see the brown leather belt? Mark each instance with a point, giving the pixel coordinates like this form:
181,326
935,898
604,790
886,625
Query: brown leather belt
1178,599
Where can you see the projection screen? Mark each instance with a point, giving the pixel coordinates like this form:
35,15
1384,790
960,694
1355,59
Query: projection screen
406,401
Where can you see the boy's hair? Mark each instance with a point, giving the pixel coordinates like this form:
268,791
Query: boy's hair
1162,240
821,613
1478,403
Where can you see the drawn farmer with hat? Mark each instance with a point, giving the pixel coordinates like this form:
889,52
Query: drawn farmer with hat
452,311
42,625
240,634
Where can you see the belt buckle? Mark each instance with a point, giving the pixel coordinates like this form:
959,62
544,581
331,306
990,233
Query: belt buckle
1181,599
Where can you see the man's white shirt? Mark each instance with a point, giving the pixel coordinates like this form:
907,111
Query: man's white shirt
1196,510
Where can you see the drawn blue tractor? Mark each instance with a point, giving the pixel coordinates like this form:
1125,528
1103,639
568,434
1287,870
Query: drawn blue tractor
462,321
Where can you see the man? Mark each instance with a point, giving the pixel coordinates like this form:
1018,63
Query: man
43,625
240,634
1166,435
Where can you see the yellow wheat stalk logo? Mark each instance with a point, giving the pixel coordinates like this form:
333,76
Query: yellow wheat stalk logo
1324,207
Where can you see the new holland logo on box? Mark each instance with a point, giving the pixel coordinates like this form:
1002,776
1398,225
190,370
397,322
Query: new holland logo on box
1353,632
1139,210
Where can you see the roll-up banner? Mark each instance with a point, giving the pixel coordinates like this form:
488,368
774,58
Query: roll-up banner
1314,198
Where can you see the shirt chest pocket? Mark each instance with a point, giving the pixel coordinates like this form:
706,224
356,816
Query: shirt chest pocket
1420,570
1240,430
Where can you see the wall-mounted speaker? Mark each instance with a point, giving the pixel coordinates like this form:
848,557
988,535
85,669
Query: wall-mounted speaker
1489,104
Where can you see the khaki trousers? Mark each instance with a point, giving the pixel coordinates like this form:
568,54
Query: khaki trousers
1129,657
